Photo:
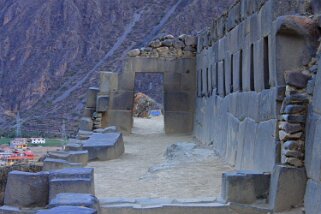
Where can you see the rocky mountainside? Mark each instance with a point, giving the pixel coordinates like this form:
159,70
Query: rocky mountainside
52,50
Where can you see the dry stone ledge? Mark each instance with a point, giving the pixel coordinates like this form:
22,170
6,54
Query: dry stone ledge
68,209
72,180
104,146
71,156
53,164
25,189
245,186
75,199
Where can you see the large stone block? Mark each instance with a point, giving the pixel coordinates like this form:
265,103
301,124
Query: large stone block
102,103
108,82
91,97
245,187
25,189
86,124
122,100
88,112
287,187
234,16
121,119
236,72
68,209
313,147
72,180
178,101
75,199
288,7
221,81
312,198
266,18
267,149
104,146
178,122
259,66
53,164
71,156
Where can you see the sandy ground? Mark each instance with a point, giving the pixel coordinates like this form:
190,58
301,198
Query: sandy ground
144,172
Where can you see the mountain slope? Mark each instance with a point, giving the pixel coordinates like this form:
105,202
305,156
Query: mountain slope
52,50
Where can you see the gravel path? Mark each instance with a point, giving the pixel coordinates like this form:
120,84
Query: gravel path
144,172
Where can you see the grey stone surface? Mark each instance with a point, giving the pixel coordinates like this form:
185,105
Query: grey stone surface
102,103
25,189
108,82
72,180
312,199
245,187
71,156
68,210
73,147
296,79
75,199
86,124
53,164
287,187
91,97
104,146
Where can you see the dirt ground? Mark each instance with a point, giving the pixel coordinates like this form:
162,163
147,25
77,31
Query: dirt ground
144,172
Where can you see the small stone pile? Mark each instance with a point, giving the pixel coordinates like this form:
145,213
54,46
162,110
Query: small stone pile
299,88
168,46
142,105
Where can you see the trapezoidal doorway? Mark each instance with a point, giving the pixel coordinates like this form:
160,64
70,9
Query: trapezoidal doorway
148,104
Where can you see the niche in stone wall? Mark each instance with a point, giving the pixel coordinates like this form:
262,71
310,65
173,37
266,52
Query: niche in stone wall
291,52
252,87
241,71
232,71
266,61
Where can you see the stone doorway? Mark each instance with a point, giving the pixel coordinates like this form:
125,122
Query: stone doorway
148,104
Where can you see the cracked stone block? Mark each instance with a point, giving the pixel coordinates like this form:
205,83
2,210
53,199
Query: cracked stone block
245,187
25,189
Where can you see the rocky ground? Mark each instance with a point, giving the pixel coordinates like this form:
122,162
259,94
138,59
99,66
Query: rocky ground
158,166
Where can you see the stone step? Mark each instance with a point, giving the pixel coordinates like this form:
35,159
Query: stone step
71,156
168,206
68,209
54,164
75,199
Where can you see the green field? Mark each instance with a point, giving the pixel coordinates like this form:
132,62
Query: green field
49,142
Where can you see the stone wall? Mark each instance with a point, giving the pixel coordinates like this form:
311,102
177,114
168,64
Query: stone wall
241,64
313,148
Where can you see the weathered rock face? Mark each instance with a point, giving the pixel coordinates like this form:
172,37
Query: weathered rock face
48,47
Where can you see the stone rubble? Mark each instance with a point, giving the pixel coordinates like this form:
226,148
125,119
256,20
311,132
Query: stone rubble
168,47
